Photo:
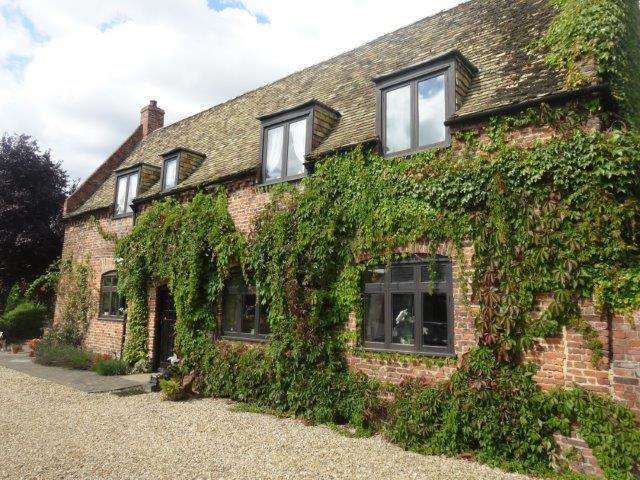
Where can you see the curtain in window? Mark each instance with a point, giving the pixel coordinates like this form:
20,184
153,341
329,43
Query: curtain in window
297,140
274,152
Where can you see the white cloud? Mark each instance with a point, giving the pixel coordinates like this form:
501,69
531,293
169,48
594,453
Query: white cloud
74,74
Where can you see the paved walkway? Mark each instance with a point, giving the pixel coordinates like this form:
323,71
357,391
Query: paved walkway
81,380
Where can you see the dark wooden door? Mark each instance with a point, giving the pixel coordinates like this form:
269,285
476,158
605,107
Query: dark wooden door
165,330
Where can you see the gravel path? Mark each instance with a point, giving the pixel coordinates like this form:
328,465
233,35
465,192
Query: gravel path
48,431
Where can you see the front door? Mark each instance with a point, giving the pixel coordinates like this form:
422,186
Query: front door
165,329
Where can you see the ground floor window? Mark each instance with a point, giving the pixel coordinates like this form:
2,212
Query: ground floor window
408,306
242,314
111,303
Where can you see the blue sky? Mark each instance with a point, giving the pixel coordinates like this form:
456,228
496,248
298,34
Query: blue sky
74,74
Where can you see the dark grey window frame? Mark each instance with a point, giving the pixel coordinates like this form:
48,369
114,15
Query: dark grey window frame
163,177
412,76
119,175
285,119
110,290
417,288
244,291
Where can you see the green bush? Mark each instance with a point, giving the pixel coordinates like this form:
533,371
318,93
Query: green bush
110,367
24,321
66,356
172,389
14,298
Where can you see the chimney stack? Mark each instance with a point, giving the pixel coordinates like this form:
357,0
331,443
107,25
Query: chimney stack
151,118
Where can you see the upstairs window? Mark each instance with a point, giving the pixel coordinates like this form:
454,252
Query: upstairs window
126,191
286,140
242,314
413,106
408,307
111,303
170,173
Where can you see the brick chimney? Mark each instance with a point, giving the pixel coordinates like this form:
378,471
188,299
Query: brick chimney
151,118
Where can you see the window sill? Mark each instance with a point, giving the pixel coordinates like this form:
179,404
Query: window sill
269,183
248,339
111,319
444,352
414,151
122,215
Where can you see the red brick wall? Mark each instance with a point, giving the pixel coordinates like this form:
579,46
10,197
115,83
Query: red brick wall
83,243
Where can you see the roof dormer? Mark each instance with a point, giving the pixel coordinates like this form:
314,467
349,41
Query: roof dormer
414,103
289,135
177,165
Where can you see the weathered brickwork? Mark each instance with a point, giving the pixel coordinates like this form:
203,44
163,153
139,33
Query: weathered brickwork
574,452
83,243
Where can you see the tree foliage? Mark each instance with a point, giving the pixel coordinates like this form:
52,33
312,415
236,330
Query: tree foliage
32,193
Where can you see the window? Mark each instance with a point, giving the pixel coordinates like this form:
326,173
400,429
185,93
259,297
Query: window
413,106
111,303
408,307
286,141
170,173
242,314
126,191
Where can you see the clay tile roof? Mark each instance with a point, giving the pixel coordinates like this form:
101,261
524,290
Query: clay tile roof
492,34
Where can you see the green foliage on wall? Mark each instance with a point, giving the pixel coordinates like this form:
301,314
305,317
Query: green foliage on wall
496,411
75,301
188,246
558,217
606,32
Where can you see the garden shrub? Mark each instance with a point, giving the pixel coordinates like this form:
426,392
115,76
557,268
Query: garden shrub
110,366
172,389
25,321
60,355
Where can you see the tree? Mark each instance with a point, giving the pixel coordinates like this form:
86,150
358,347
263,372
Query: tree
32,193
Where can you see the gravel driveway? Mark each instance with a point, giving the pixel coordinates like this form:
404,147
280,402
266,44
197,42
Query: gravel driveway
48,431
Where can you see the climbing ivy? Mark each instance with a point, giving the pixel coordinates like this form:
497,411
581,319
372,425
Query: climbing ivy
558,218
189,246
604,32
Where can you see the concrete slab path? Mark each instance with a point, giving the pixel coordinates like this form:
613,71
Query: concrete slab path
81,380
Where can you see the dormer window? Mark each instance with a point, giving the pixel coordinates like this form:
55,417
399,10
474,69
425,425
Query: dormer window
126,191
170,173
285,146
414,103
288,136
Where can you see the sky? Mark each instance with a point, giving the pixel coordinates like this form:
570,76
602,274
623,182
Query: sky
74,74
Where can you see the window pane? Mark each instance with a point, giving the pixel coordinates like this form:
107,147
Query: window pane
297,147
428,270
121,306
374,318
403,318
434,319
274,153
232,307
431,111
121,195
113,309
133,191
170,173
105,303
402,273
398,120
263,326
374,275
248,323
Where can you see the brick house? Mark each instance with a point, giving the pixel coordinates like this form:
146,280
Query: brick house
404,92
